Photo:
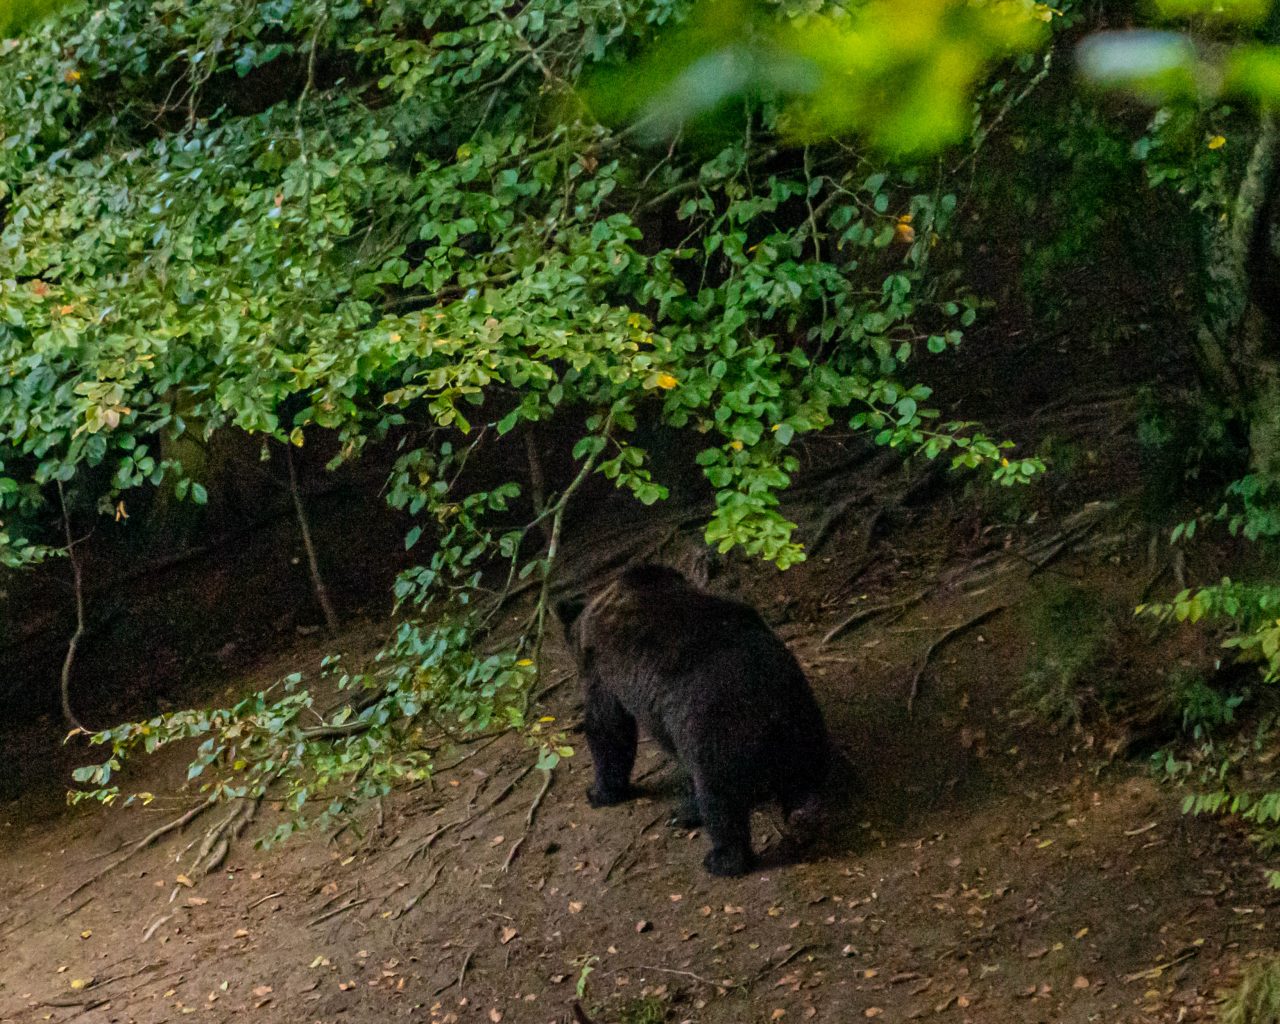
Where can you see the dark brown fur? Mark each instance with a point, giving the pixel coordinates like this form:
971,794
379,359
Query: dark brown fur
710,681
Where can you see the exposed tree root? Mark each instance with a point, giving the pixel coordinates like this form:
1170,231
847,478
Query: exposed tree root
493,802
832,518
349,905
413,901
862,614
945,638
528,820
146,841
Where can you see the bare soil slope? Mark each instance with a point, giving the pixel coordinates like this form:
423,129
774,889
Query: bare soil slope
984,869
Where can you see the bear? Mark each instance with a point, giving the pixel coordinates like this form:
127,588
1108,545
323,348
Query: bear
708,679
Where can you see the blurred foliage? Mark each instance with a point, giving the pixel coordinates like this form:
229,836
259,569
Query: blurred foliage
1256,999
898,73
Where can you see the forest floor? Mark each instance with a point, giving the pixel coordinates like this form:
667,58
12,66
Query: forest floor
987,868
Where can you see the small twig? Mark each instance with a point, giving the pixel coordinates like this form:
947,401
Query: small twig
259,902
154,926
528,820
769,967
949,635
466,962
349,905
1159,969
686,974
862,614
631,844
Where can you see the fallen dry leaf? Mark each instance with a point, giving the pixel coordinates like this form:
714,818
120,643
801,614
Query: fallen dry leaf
495,1015
183,880
263,990
507,935
872,1011
1080,982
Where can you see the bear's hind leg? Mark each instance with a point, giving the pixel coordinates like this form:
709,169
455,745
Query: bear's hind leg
727,817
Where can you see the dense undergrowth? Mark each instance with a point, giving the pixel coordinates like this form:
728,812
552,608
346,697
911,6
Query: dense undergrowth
396,226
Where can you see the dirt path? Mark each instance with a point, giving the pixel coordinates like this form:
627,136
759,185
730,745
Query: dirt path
987,871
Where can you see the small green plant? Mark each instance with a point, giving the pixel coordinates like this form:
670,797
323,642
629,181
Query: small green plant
1069,628
1202,709
1256,1000
646,1010
585,965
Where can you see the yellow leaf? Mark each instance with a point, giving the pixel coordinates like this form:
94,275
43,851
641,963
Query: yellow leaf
666,381
1217,142
72,76
81,983
184,880
736,445
524,662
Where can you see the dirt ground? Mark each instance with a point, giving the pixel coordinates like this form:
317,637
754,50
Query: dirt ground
985,868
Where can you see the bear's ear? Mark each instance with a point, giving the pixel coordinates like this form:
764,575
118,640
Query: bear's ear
569,608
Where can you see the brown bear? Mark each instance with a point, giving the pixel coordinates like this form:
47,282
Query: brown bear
714,686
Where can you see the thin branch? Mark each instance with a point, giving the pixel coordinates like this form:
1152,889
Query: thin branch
313,564
77,575
553,545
